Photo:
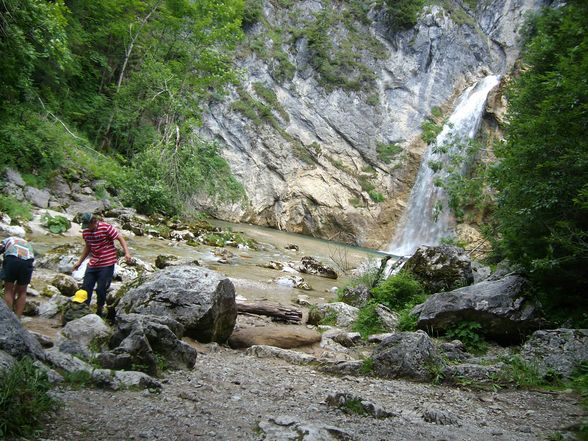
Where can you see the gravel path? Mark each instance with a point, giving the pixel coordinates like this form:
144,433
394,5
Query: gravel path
233,396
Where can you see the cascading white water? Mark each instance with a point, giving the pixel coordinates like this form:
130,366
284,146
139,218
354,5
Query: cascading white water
423,223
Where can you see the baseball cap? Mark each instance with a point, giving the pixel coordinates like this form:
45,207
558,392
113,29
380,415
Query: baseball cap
86,219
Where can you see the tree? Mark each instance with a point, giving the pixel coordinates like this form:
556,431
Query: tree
542,176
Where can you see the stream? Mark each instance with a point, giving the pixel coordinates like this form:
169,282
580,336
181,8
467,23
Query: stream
252,282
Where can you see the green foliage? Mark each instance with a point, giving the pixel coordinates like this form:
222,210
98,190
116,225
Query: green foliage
78,379
24,399
376,196
354,405
367,366
55,224
165,178
403,14
398,291
406,321
14,208
542,215
368,322
113,85
430,130
252,12
520,373
31,143
387,152
329,318
470,334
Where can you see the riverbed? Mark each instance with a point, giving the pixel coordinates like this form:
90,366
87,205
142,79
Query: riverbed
243,265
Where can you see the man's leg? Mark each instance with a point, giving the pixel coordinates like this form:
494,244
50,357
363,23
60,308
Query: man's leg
9,294
90,278
21,299
104,279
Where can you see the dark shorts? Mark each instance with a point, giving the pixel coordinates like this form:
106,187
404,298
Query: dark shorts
17,270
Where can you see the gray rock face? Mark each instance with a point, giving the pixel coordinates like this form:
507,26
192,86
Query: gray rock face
14,339
500,306
558,350
406,355
340,130
140,339
200,299
440,268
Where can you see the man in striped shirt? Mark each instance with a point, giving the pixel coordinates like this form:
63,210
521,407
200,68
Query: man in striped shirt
99,237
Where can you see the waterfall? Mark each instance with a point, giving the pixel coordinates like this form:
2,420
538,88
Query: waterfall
424,223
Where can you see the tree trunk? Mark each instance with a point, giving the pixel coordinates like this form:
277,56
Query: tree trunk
274,310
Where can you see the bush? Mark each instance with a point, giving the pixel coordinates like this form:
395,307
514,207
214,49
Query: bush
398,291
368,322
24,399
470,335
56,224
403,14
15,209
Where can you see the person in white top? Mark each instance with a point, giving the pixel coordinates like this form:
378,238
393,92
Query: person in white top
17,270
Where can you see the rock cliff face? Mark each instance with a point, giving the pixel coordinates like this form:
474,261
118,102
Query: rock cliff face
325,130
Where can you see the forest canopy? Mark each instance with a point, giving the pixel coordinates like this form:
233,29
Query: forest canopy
115,81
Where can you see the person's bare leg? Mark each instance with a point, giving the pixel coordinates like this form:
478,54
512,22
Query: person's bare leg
21,299
9,294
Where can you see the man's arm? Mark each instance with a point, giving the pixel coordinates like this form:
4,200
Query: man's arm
85,254
125,247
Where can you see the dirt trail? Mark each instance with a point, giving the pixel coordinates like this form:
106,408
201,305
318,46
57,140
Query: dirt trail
233,396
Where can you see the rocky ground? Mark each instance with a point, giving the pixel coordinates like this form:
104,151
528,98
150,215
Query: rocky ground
230,395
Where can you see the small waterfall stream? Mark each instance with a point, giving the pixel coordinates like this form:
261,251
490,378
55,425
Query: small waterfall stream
423,223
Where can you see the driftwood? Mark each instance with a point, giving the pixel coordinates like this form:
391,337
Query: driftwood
274,310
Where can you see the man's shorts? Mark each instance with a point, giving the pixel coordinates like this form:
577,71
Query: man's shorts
17,270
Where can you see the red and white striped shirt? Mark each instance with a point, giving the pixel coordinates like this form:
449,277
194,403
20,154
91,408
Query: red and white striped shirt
101,243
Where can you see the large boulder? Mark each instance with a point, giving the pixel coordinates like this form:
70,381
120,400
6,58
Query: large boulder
499,306
407,355
14,339
440,268
202,300
557,350
143,340
310,265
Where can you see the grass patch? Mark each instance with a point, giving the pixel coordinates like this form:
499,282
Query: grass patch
387,152
24,400
20,211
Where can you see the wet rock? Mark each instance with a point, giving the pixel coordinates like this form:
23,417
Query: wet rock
66,285
310,265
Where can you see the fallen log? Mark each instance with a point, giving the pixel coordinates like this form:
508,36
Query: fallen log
274,310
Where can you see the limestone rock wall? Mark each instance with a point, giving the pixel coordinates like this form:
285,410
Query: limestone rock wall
312,164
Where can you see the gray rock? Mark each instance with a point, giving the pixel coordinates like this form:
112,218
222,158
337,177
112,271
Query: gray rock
12,176
89,331
141,339
288,428
6,360
441,268
500,306
406,355
310,265
14,339
66,285
286,337
39,198
441,417
200,299
557,350
262,351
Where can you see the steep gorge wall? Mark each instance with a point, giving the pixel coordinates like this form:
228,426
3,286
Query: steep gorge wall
338,160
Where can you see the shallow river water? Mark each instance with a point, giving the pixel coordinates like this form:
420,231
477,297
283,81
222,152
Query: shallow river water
251,280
